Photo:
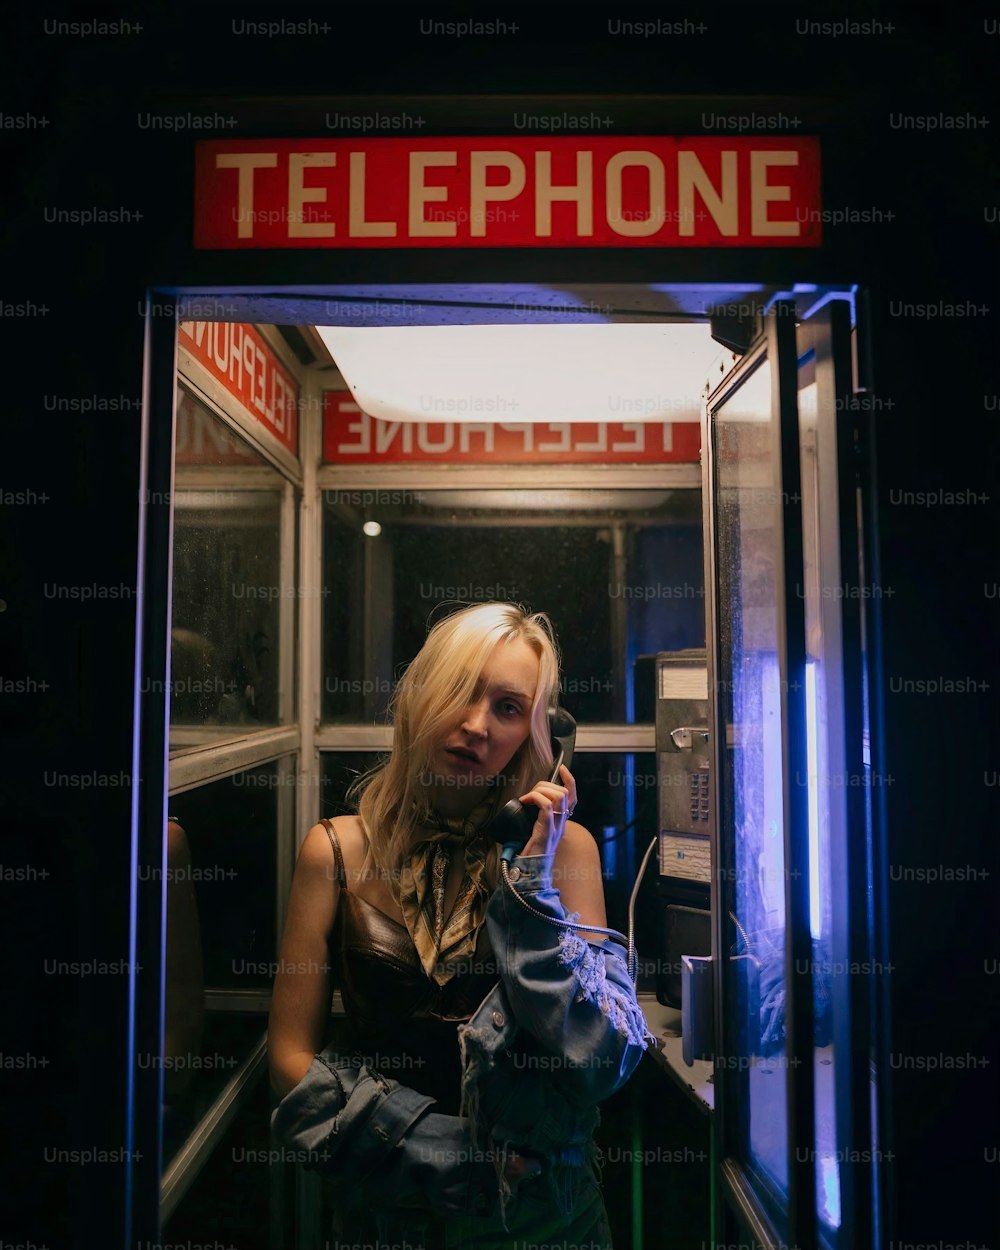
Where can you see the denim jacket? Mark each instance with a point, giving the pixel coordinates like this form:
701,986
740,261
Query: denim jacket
560,1032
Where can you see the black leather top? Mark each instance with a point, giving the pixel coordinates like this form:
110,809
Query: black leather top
399,1018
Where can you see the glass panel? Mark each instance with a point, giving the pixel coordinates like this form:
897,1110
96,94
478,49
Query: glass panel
338,769
192,1084
227,582
231,1195
618,804
220,933
827,782
749,678
593,560
669,607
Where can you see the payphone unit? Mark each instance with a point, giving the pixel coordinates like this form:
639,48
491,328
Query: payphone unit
686,818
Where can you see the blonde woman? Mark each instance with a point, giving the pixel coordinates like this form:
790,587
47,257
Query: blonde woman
482,1037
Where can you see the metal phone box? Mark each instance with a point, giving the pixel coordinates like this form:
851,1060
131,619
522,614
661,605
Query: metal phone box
682,753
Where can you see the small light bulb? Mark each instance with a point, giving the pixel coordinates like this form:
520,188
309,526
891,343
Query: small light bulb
372,529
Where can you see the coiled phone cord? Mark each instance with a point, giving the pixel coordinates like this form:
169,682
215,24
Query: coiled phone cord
628,941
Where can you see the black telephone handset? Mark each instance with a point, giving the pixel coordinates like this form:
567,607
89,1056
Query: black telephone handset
515,821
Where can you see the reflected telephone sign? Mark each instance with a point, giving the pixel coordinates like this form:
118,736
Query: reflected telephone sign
239,360
351,436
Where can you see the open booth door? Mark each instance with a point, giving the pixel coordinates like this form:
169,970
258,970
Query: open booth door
784,505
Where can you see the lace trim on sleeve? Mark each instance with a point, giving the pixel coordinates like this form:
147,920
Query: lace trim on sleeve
622,1010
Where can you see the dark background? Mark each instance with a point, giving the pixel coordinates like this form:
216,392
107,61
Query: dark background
940,562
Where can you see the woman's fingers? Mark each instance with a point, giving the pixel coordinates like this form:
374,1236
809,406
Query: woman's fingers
570,785
551,821
555,805
551,796
552,791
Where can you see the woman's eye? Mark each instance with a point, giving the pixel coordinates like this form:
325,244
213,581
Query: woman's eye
510,709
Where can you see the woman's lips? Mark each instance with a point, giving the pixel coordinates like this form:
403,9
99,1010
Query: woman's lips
465,756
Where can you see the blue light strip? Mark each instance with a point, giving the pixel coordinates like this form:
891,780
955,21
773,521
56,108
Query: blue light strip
849,296
133,875
810,288
812,755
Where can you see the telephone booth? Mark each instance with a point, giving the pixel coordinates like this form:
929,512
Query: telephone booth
312,533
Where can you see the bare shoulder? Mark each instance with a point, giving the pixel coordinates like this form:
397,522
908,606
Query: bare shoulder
316,852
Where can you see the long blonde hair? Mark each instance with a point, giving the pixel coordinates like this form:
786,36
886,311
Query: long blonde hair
435,689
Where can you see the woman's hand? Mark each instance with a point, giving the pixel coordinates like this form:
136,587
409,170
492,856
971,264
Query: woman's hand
555,805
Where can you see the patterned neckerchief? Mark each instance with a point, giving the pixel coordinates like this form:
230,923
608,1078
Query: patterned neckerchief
443,941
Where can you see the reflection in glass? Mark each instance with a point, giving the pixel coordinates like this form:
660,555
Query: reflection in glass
227,585
751,783
220,935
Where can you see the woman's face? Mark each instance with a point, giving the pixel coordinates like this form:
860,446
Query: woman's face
486,735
